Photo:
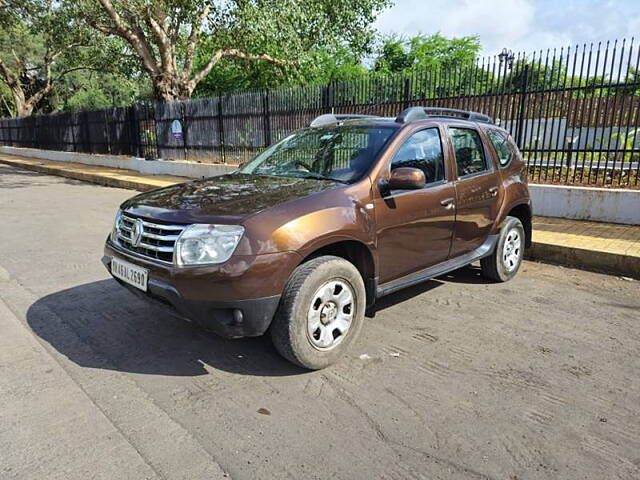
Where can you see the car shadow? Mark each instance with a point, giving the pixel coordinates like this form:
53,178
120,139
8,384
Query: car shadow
466,275
471,274
103,325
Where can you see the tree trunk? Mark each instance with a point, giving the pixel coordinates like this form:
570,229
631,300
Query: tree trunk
24,108
170,88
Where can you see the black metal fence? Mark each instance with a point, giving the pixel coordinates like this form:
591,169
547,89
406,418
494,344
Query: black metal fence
574,112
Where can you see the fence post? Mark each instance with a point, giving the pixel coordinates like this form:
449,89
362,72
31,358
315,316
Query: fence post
85,134
9,128
328,97
221,130
324,101
183,117
267,119
408,92
71,127
332,96
129,123
523,105
107,133
569,153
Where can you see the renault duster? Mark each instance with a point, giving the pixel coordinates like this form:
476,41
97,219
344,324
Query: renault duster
304,239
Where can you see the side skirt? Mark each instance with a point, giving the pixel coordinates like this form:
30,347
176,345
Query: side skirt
482,251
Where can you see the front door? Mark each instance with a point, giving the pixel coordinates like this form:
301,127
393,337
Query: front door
477,190
414,227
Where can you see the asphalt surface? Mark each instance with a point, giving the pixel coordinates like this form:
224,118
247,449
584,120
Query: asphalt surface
456,378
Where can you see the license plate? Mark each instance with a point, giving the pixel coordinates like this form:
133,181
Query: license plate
129,273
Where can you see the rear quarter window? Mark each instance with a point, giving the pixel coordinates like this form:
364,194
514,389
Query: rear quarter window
504,149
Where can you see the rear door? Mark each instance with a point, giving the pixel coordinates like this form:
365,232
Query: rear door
415,227
478,188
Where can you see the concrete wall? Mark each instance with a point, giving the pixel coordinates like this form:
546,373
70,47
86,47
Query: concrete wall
154,167
582,203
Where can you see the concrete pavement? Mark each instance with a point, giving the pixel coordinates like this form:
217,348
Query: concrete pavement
589,245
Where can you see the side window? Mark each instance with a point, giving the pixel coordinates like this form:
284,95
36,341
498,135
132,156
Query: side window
502,146
469,151
422,150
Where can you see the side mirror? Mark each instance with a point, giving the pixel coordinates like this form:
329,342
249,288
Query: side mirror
404,178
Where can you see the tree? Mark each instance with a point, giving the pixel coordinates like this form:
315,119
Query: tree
541,75
433,66
168,36
393,56
321,67
106,84
630,84
34,36
398,54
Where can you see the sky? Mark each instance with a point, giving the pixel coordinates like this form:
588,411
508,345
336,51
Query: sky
520,25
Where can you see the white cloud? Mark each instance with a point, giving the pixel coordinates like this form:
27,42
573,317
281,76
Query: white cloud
516,24
498,23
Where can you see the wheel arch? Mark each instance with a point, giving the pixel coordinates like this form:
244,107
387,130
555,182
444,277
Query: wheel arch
355,252
522,212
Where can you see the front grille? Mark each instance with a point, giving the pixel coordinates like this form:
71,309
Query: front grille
157,241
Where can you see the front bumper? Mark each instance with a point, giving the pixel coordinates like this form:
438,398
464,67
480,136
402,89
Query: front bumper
236,299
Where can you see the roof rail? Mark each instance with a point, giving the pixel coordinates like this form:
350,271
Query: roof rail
421,113
333,119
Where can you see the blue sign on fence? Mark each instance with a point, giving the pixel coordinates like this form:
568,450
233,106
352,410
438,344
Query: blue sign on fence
176,129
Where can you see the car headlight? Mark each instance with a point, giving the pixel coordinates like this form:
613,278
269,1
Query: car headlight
201,244
116,227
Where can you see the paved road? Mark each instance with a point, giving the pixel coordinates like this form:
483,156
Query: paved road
458,378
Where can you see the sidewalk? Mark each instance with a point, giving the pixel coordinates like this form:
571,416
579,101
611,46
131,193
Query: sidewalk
110,177
588,245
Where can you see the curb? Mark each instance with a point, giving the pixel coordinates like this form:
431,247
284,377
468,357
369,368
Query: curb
129,183
177,168
594,260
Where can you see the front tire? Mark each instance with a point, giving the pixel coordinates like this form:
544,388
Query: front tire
320,313
503,264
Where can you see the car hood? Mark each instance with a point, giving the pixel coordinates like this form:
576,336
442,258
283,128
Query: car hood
227,198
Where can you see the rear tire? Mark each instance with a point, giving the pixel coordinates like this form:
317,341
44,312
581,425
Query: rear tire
503,264
320,313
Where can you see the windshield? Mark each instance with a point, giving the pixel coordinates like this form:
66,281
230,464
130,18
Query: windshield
341,153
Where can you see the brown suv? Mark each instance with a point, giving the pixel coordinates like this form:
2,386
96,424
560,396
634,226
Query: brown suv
304,238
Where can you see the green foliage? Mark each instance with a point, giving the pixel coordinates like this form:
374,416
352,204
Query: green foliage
626,141
237,75
37,39
432,66
539,76
632,82
42,43
104,83
99,90
319,41
553,74
179,42
7,108
421,52
22,49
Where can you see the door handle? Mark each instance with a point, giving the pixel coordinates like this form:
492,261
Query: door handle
447,203
493,191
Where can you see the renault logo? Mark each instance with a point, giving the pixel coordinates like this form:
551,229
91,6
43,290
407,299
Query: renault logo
136,232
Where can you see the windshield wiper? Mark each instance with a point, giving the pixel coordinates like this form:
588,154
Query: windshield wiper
299,174
318,176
